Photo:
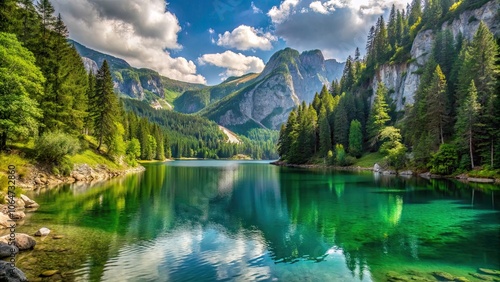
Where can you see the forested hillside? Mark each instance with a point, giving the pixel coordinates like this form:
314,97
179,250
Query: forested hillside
143,84
453,122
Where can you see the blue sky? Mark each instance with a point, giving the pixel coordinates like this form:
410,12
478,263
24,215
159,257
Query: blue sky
210,40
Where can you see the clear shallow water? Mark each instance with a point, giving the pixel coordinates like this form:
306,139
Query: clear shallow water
248,221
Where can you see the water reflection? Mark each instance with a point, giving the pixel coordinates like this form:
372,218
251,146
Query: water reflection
230,220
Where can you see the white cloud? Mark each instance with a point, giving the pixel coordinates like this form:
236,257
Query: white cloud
236,64
255,9
245,38
137,31
318,7
336,27
211,31
281,13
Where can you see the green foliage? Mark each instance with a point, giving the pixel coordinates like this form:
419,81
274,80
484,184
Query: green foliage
379,115
104,108
340,155
355,139
20,84
445,161
392,147
52,147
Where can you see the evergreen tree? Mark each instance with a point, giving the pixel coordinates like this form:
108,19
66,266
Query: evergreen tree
379,116
341,128
104,106
468,114
355,139
325,140
436,106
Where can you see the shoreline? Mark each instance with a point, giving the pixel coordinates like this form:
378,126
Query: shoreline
39,176
404,173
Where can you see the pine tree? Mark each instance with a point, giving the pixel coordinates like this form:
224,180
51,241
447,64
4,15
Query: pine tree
379,116
468,114
436,106
355,139
341,122
104,106
325,140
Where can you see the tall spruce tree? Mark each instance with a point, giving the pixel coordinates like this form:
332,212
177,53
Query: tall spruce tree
379,115
437,116
355,139
466,126
104,107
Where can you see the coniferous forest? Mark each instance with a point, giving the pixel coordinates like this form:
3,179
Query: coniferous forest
453,124
47,98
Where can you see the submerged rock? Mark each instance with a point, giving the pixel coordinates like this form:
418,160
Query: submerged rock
482,276
461,279
8,273
48,273
44,231
443,276
57,236
489,271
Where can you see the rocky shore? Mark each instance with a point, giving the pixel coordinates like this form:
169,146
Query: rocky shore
13,213
82,173
385,171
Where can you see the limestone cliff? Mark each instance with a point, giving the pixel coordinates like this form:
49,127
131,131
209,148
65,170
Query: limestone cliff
288,79
403,79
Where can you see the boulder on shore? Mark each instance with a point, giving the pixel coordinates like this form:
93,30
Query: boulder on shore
7,250
9,273
22,241
44,231
377,168
29,203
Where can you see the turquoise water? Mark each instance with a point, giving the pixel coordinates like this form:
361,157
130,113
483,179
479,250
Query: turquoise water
251,221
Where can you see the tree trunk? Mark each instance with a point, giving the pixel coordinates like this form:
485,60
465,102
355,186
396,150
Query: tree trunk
441,133
470,148
3,141
492,152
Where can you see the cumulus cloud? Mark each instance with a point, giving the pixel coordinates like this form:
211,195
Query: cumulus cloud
318,7
281,13
246,37
137,31
336,27
236,64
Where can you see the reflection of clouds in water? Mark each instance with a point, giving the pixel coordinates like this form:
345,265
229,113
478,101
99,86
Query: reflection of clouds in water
193,253
227,178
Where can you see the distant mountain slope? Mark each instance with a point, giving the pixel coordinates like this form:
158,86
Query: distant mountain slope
132,82
265,102
194,100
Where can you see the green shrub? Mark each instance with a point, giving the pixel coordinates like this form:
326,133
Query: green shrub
444,161
331,159
53,146
340,155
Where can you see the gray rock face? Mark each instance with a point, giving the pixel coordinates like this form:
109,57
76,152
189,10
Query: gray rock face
288,79
403,80
11,274
90,65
